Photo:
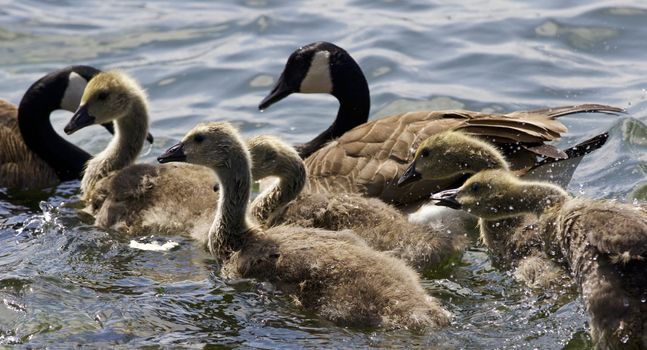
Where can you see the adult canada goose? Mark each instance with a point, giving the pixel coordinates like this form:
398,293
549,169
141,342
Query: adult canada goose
455,154
346,282
137,198
604,244
32,154
382,226
354,155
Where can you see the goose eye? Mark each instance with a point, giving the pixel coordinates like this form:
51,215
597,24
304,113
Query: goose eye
103,95
475,187
198,138
424,153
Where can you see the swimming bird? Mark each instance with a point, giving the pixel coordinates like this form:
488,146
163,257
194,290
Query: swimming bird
355,155
32,154
603,243
453,154
382,226
137,198
339,278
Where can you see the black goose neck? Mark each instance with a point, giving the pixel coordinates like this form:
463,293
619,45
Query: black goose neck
40,100
350,88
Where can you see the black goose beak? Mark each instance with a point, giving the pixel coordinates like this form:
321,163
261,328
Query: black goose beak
173,154
111,129
80,120
447,198
280,91
410,175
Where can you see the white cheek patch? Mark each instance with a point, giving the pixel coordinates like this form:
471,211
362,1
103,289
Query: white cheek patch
318,79
73,93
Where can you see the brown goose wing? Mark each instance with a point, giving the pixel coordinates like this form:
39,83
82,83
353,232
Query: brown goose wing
19,166
369,158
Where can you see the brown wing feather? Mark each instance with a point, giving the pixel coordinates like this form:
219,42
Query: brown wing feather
19,166
369,158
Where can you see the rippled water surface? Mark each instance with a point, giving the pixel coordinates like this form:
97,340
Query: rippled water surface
66,283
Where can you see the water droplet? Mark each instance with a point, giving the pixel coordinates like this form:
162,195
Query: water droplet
624,339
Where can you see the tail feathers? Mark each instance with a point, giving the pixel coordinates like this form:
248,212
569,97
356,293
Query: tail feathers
579,150
557,112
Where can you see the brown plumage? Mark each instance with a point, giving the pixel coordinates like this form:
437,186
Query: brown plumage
19,166
382,226
603,244
370,158
358,156
327,272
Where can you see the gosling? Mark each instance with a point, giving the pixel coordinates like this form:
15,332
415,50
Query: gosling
340,279
383,227
455,154
137,198
603,243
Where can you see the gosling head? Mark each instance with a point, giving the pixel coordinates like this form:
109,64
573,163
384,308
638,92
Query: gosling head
108,96
315,68
211,144
450,154
497,194
270,156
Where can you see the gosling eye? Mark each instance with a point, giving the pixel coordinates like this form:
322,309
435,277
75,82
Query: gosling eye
424,153
198,138
103,95
475,187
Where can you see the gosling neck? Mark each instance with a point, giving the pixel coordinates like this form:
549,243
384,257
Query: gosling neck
350,88
270,204
123,149
536,197
230,225
524,201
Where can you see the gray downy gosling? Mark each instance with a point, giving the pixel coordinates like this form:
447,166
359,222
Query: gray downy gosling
340,279
603,244
382,226
137,198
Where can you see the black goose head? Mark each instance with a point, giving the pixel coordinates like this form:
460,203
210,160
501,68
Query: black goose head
319,67
323,67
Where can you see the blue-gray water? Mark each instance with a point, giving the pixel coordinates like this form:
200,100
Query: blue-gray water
64,283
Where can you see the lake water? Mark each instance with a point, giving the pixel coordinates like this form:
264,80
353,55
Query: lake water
64,283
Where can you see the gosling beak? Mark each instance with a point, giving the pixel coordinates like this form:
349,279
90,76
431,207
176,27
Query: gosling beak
111,129
410,175
173,154
80,120
447,198
280,91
